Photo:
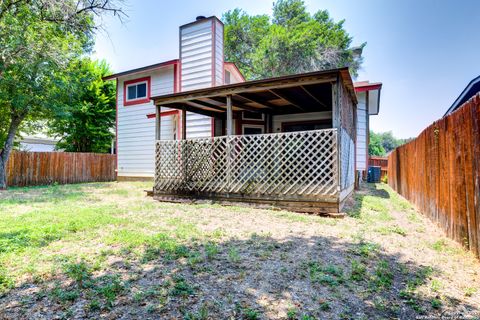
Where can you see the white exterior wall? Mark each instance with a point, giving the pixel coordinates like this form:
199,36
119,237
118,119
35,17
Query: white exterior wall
136,132
37,147
362,129
201,58
278,120
202,65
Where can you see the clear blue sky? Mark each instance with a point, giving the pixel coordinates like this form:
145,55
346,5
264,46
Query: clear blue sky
424,51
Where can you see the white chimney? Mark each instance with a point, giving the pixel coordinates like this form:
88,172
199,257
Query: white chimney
201,54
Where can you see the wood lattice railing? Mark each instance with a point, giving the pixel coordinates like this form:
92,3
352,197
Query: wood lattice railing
281,166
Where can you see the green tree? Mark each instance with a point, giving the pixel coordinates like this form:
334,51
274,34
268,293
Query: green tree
389,142
86,123
375,147
38,40
384,142
293,41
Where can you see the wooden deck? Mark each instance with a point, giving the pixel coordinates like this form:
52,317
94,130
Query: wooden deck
299,171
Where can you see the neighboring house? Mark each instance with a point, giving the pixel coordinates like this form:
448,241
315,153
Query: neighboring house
368,95
470,90
38,143
201,64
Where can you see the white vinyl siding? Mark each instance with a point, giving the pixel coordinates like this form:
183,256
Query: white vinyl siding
362,127
136,133
197,59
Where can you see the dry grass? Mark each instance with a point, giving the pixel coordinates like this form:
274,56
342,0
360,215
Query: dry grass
107,251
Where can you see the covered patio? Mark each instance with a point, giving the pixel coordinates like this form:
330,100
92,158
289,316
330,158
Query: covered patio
284,142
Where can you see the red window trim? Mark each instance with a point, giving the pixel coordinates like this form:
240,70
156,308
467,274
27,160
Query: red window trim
139,101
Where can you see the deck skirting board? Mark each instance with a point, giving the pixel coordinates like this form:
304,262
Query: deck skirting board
134,178
330,208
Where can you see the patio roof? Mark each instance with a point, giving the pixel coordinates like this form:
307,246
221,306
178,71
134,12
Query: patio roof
307,92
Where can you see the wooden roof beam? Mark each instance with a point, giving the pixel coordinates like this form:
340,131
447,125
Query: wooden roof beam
180,106
311,95
207,105
239,105
261,102
250,86
281,95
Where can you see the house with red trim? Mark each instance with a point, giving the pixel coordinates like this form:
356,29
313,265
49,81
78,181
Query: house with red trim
201,64
368,95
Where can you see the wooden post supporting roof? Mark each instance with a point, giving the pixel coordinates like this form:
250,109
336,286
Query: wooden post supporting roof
229,116
184,124
158,122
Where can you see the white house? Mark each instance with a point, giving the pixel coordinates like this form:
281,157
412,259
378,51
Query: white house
201,64
368,95
38,143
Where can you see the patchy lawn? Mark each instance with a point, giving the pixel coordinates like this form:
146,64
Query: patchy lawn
105,250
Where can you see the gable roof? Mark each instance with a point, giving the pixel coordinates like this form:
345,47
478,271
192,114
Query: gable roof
374,90
234,66
472,88
142,69
158,66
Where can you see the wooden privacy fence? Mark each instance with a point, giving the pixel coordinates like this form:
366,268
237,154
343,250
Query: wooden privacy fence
439,172
42,168
379,162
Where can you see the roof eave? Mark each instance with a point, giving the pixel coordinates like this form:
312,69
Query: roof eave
456,104
142,69
343,72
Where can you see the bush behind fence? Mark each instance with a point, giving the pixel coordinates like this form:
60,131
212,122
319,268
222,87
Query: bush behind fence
439,172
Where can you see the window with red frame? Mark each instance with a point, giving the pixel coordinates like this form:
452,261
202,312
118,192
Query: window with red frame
136,91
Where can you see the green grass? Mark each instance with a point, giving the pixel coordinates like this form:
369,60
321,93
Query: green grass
329,274
38,222
98,245
359,271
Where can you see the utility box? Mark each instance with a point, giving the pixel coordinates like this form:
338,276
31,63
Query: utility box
374,174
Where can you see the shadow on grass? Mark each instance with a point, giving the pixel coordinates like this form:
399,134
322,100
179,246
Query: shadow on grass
256,278
369,193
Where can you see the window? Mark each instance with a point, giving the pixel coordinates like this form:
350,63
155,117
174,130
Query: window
253,129
247,115
137,91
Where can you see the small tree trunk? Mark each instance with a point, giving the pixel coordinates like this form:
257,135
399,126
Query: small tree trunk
7,149
3,175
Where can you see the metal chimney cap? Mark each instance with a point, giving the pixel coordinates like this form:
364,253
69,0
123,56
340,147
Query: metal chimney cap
200,18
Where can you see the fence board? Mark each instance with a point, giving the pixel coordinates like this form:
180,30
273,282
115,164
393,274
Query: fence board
379,162
42,168
439,172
